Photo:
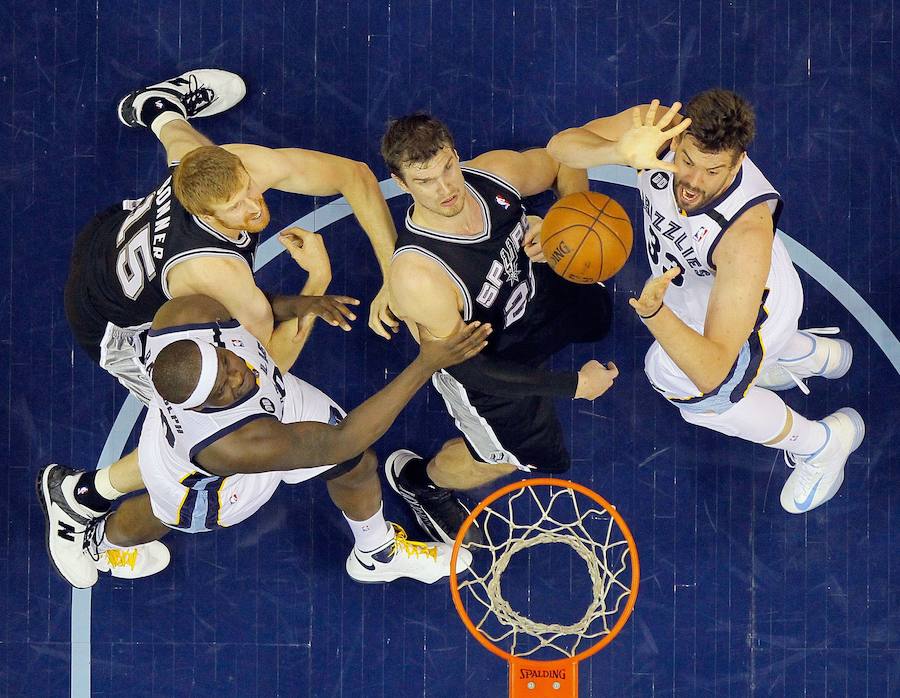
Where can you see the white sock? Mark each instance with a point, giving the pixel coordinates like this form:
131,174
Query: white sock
167,116
805,438
104,486
372,533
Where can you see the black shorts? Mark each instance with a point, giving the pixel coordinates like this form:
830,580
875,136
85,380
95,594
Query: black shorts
526,430
88,325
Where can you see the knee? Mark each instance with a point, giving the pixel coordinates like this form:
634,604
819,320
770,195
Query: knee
361,473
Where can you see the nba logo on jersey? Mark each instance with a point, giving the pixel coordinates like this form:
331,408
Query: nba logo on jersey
235,342
700,233
660,180
503,202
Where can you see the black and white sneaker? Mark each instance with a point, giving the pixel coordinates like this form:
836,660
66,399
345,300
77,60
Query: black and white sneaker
196,93
67,523
438,511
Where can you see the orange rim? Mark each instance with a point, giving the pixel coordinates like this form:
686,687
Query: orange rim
548,481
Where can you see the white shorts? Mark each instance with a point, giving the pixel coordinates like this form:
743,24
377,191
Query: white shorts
193,501
121,354
759,351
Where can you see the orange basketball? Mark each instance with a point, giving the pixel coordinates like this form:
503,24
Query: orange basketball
586,237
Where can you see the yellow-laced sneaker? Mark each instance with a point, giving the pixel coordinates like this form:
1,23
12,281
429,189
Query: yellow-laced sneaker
134,563
401,557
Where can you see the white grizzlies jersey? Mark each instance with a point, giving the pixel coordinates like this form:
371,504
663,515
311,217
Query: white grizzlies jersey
689,241
184,495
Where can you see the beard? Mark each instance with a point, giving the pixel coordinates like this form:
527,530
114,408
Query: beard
699,199
256,225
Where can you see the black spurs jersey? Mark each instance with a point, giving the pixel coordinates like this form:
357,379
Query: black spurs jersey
131,253
491,270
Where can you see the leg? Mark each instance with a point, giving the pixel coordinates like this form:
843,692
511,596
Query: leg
125,475
454,468
382,552
357,492
179,138
133,523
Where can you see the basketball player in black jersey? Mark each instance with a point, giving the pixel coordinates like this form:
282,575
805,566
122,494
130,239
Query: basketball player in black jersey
195,233
468,252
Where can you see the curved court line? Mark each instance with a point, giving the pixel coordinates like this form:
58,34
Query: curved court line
338,209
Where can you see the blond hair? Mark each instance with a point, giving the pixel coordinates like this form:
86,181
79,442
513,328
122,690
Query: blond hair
205,176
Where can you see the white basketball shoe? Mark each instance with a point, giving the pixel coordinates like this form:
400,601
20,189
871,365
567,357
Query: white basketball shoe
196,94
816,479
828,358
134,563
401,557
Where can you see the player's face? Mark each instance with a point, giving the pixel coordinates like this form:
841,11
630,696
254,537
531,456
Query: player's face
246,210
436,185
701,176
234,380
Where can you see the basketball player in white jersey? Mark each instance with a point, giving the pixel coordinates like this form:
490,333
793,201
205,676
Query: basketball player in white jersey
724,300
226,427
195,233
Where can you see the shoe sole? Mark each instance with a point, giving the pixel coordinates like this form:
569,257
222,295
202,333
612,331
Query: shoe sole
43,494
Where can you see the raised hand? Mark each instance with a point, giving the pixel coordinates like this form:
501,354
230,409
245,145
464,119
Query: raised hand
651,298
460,346
307,249
332,309
639,146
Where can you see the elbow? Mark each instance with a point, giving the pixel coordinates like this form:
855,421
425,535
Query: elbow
714,374
361,174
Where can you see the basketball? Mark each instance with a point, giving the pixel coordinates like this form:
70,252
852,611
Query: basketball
586,237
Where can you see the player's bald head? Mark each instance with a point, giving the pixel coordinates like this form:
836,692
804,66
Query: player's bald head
176,370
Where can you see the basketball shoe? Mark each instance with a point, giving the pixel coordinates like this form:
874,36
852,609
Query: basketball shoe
66,523
134,563
818,477
401,557
438,511
194,94
828,358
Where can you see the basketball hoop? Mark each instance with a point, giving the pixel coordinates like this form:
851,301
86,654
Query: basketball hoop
538,512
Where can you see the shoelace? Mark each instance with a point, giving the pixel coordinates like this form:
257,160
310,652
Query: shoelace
412,548
197,97
808,471
93,534
121,557
819,332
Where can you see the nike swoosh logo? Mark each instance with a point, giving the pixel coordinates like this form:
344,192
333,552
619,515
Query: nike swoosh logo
371,567
804,505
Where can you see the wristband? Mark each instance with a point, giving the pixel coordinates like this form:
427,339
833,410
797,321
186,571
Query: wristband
653,314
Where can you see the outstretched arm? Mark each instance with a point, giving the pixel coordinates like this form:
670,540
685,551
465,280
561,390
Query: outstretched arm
320,174
532,171
634,137
266,444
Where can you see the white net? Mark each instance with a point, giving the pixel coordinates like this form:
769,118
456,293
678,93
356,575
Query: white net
535,516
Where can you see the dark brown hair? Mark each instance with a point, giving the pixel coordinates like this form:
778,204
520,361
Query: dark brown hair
207,175
414,138
721,120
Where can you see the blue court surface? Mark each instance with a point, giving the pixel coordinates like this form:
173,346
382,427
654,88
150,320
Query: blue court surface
737,597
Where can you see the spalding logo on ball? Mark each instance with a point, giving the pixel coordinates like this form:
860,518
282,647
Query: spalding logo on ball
586,237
